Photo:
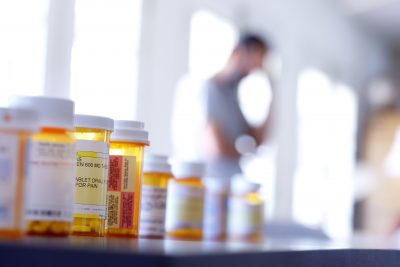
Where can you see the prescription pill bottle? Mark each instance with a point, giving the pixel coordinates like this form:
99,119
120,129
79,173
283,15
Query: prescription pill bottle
125,178
215,208
92,134
15,127
156,174
245,211
185,201
49,192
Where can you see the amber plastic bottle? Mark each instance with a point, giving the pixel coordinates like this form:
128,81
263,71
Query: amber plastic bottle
15,127
92,135
245,212
156,174
125,178
185,202
50,166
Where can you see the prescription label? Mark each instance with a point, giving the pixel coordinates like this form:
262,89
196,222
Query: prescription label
121,192
184,207
152,211
9,148
244,218
91,179
50,181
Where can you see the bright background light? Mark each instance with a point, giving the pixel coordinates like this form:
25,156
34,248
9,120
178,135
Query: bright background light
105,56
323,191
22,47
211,41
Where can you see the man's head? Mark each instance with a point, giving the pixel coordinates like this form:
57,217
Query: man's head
249,53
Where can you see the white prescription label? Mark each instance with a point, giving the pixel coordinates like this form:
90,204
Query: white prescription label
8,179
184,207
215,215
244,218
50,182
152,211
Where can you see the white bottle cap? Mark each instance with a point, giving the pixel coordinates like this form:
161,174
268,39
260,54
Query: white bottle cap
19,119
130,131
52,112
94,122
217,184
240,185
156,164
183,170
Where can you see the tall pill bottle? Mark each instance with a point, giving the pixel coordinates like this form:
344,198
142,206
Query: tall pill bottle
215,208
49,192
245,211
156,174
185,201
125,178
92,135
15,127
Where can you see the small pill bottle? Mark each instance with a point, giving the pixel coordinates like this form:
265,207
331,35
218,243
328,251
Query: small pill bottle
49,192
92,134
156,174
185,202
245,211
125,178
15,127
215,208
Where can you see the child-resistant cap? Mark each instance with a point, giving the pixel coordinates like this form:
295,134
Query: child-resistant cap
19,119
93,122
130,131
183,170
52,112
240,185
156,164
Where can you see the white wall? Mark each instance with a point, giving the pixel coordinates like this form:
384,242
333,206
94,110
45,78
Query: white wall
308,33
163,60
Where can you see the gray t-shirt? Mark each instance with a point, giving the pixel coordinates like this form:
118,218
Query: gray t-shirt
224,109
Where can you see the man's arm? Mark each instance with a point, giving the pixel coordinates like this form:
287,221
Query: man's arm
218,143
263,131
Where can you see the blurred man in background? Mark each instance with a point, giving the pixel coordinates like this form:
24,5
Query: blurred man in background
208,128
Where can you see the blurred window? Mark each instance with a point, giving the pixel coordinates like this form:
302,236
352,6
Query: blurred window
22,47
105,56
212,39
255,97
326,153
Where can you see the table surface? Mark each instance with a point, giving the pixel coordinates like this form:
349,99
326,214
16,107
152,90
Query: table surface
80,251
